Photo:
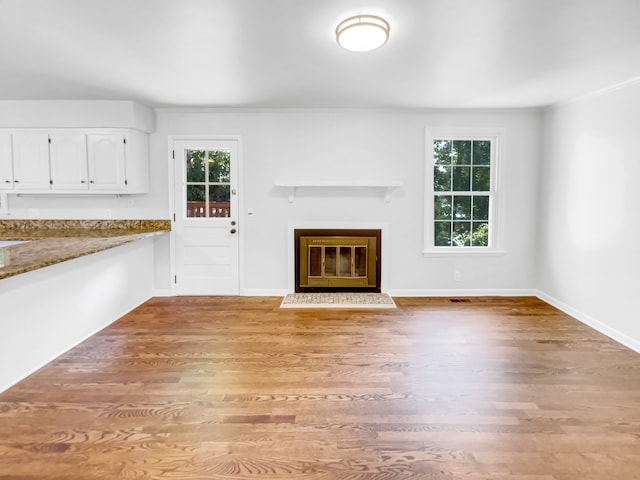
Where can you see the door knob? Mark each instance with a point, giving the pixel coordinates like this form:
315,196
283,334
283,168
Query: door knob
233,230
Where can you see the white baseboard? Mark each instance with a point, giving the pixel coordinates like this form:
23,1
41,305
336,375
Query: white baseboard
247,292
590,321
164,292
264,292
461,293
281,292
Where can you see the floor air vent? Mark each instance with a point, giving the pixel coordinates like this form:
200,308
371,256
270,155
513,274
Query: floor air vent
459,300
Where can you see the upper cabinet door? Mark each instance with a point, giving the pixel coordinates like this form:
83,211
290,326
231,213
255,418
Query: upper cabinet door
68,157
31,161
6,162
137,162
106,161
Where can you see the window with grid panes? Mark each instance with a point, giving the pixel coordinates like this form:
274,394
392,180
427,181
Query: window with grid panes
462,193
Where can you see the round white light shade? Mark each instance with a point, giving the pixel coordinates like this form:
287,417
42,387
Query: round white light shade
362,33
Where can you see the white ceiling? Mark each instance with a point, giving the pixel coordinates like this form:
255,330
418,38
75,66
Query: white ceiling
282,53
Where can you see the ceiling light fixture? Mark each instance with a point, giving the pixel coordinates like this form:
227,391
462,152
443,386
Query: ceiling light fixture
362,33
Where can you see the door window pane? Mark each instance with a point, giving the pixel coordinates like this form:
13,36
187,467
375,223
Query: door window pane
195,167
208,183
219,201
196,204
219,163
219,193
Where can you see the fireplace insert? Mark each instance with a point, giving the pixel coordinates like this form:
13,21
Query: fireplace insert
329,260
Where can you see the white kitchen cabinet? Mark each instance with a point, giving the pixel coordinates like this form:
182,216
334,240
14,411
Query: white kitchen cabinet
137,162
6,162
68,160
31,162
98,161
107,162
119,162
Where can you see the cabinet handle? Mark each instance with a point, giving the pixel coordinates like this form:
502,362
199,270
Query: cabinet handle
233,230
82,181
16,181
7,181
90,181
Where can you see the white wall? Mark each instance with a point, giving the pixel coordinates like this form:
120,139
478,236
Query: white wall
373,145
76,114
327,144
588,256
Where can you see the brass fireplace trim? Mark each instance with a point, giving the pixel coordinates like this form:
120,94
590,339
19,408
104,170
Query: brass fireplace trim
369,239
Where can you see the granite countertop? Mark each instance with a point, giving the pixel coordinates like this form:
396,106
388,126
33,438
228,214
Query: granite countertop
56,241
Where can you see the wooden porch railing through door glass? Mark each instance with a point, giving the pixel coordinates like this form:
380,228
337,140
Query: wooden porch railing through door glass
216,209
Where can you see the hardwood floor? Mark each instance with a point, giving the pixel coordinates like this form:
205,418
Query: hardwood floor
236,388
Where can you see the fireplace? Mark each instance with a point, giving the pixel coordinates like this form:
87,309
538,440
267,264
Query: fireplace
330,260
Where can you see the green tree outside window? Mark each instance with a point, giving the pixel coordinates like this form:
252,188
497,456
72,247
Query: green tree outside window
462,186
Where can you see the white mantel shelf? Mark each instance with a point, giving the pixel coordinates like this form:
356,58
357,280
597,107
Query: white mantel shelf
293,185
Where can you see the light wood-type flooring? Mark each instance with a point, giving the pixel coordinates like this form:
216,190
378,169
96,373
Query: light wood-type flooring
236,388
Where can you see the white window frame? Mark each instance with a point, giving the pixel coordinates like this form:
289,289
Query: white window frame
497,138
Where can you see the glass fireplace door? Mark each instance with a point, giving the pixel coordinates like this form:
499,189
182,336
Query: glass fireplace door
337,261
328,261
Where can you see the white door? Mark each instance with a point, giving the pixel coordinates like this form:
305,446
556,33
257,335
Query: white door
206,217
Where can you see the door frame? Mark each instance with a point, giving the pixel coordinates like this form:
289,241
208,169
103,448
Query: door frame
171,139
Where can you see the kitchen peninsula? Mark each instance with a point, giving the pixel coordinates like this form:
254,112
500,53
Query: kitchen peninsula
54,241
70,280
